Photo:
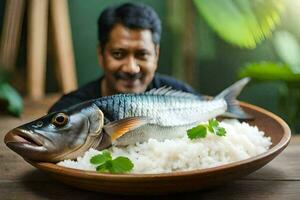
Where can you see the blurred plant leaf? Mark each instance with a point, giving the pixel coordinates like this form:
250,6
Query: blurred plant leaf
12,99
205,42
268,71
288,49
241,22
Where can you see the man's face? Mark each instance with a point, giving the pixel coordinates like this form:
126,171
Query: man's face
129,60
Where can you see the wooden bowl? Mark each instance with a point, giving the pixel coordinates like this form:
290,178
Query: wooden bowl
176,182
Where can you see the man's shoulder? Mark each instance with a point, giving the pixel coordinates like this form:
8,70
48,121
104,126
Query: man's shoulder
86,92
91,88
160,80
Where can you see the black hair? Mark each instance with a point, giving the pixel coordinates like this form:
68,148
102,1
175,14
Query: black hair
130,15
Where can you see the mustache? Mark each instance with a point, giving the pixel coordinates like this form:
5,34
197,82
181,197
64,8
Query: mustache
128,76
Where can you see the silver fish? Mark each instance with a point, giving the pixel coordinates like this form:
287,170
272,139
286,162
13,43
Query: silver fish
120,119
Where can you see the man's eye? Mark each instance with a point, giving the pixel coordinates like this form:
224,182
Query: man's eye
142,54
118,55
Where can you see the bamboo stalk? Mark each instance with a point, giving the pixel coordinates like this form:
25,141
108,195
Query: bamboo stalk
63,44
11,32
37,47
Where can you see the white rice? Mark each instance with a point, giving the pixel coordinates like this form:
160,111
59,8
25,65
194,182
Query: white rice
242,141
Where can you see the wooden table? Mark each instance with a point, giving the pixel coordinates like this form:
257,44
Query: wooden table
280,179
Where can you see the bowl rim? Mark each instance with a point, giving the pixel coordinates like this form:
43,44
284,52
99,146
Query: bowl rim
56,169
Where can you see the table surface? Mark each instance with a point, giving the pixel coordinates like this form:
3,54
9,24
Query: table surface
280,179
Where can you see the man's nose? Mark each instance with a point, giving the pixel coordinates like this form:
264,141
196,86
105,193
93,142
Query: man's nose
131,66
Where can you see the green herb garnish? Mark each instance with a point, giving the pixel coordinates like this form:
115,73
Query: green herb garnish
197,132
101,158
201,130
107,164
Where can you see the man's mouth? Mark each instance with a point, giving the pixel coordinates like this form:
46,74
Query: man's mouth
128,76
129,82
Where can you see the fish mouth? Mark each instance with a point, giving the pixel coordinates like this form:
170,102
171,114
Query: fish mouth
22,136
26,144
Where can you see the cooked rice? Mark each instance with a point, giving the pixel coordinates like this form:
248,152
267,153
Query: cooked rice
242,141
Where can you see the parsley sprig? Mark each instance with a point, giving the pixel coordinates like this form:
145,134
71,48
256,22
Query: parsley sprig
107,164
201,130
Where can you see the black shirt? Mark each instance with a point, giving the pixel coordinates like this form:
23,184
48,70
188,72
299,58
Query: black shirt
92,90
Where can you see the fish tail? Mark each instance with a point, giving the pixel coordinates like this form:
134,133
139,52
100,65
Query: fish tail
229,95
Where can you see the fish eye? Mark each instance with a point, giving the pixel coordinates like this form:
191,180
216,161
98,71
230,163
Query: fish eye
60,119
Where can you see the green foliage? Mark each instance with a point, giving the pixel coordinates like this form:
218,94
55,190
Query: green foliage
241,22
269,71
288,49
288,74
289,99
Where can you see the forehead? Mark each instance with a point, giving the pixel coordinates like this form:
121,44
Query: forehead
123,37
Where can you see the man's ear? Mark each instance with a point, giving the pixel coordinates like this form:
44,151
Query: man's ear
100,55
157,50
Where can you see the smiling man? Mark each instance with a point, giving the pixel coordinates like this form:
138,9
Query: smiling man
128,52
129,60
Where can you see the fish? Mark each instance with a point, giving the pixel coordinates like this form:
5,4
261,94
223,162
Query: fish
120,120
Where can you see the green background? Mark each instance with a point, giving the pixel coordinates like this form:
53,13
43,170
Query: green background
217,61
216,67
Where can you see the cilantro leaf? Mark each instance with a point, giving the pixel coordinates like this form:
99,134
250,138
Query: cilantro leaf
210,128
220,131
121,165
103,167
197,132
201,130
101,158
107,164
213,123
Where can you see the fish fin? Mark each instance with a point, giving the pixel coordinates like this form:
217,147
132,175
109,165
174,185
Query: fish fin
229,95
169,91
118,128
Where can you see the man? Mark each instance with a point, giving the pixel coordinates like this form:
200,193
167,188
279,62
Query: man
128,52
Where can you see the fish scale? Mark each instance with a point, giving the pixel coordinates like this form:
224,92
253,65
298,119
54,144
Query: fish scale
162,109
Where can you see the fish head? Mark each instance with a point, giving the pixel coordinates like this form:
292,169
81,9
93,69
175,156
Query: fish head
59,135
